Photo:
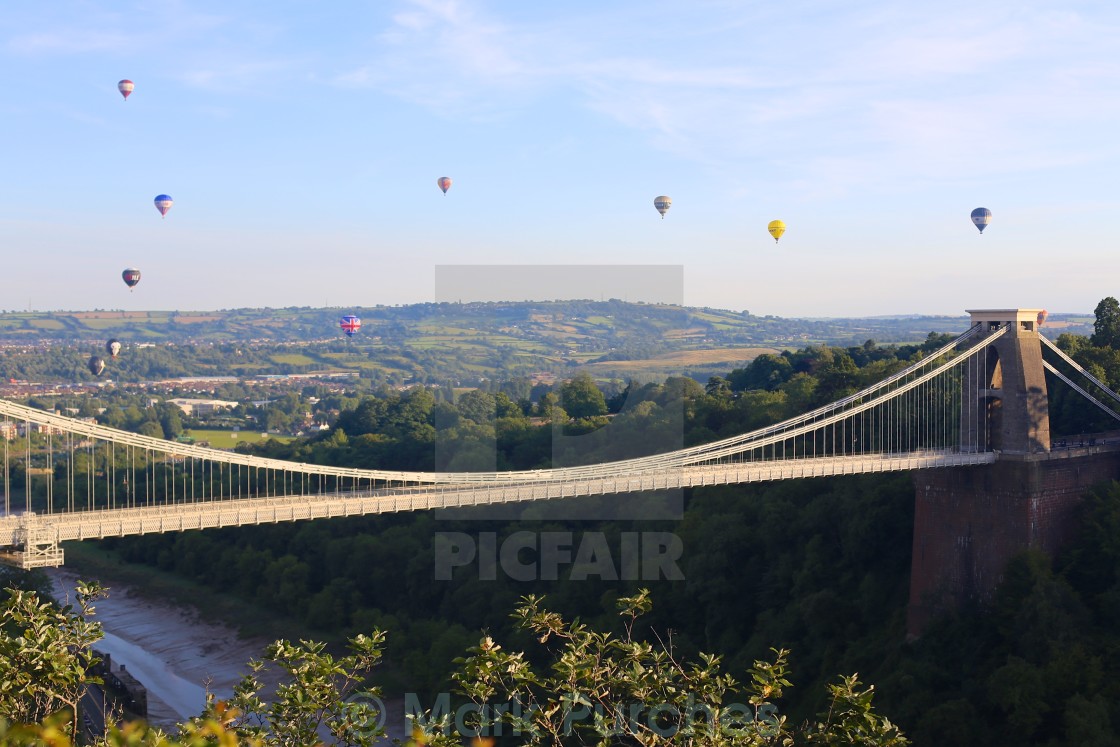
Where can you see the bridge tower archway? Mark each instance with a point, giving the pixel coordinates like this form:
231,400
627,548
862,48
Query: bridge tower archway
1007,407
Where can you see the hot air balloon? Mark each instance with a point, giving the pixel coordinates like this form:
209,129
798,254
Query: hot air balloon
131,277
125,87
1042,317
776,229
163,203
444,183
96,365
113,348
981,217
350,324
662,203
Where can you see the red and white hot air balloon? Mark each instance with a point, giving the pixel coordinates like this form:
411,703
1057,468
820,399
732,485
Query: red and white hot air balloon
125,87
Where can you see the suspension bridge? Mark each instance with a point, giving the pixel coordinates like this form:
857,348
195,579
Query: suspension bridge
975,400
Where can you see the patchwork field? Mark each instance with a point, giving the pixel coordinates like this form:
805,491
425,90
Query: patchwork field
229,439
685,359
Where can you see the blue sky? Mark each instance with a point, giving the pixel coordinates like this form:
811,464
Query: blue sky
302,143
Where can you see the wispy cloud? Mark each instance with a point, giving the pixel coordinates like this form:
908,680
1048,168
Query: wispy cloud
69,41
885,81
84,28
232,75
220,51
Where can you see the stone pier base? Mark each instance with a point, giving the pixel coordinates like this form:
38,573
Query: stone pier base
969,521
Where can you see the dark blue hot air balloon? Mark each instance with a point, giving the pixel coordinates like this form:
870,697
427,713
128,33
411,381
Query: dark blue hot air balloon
981,217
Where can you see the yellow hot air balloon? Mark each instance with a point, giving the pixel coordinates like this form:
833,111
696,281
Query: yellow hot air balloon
776,229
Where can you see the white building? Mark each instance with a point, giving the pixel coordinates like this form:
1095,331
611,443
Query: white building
202,406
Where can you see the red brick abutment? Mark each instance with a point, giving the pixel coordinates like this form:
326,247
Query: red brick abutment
970,521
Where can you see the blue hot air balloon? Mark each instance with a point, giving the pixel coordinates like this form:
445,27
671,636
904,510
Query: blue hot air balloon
163,203
981,217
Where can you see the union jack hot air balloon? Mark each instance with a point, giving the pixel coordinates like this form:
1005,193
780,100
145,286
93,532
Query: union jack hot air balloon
350,324
444,183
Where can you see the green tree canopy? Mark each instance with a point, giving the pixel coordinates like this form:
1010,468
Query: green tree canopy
1106,329
581,398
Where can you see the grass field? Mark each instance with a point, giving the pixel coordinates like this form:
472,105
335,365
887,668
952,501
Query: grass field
135,315
101,323
229,439
293,359
686,358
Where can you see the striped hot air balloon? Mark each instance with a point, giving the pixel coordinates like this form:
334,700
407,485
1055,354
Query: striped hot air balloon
163,203
125,87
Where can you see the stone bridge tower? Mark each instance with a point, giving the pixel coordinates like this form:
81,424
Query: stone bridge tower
969,521
1008,404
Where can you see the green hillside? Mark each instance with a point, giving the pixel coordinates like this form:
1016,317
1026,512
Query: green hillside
437,342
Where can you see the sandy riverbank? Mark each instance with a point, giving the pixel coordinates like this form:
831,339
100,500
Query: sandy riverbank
176,656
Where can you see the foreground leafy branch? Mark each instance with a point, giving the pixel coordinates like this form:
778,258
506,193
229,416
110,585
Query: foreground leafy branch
601,689
598,689
319,695
45,655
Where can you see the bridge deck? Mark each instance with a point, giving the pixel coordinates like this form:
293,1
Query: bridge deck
172,518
